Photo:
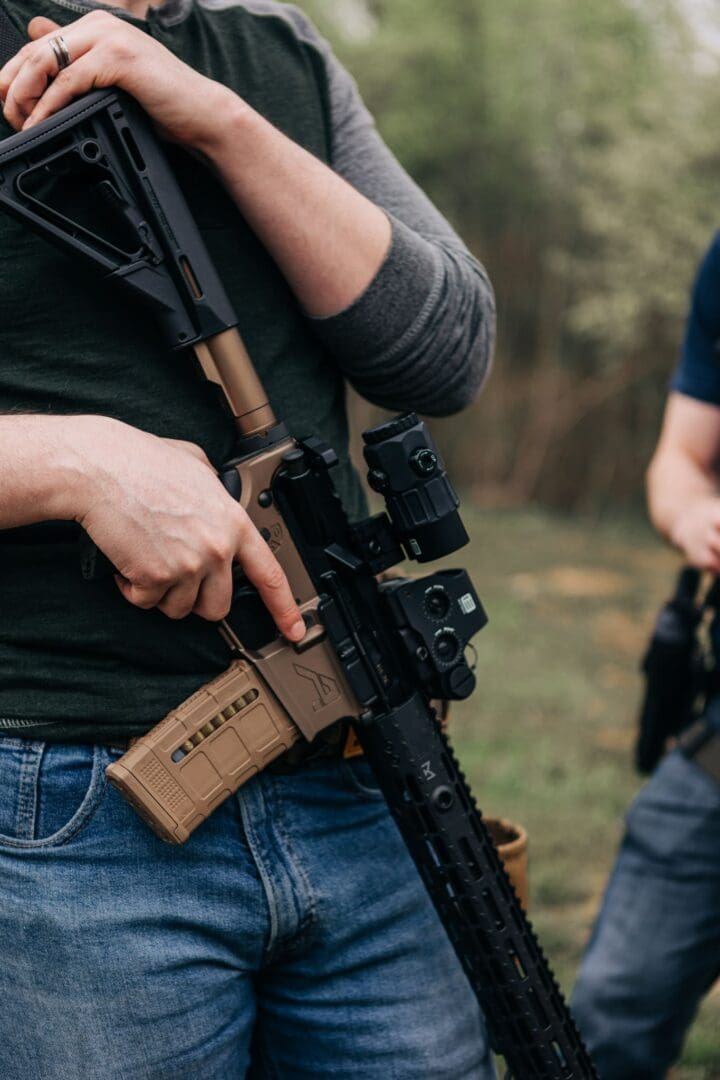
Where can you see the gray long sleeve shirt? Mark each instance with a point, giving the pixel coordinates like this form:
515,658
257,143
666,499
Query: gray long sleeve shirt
422,334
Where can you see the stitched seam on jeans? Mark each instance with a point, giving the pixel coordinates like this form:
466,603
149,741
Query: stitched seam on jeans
95,795
294,864
289,932
28,791
10,742
249,795
80,819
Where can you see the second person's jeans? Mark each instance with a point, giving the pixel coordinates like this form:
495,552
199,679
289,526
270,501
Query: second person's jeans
656,946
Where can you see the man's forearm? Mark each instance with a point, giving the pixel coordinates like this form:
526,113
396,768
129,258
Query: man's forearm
682,481
327,238
674,481
39,467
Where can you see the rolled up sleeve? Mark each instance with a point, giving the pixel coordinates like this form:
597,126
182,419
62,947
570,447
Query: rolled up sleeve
422,334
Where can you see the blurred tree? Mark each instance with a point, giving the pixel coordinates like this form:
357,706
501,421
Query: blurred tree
572,145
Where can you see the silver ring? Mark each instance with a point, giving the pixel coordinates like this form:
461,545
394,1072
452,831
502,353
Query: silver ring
60,49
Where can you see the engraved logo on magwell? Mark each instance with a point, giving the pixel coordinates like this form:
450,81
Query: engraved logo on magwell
277,536
325,687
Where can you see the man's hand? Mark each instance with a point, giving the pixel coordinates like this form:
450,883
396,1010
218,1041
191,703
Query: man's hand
683,494
106,51
157,509
696,532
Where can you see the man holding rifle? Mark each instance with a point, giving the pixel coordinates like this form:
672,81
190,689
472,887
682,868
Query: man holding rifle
291,937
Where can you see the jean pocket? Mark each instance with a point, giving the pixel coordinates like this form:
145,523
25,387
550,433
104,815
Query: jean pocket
48,791
676,817
360,779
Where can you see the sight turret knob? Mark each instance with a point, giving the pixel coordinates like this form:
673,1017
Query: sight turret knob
389,429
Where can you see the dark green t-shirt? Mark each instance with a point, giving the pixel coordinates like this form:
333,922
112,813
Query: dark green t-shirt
76,655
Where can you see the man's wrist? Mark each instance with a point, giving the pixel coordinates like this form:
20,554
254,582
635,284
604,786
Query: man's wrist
665,516
228,127
694,527
673,526
72,445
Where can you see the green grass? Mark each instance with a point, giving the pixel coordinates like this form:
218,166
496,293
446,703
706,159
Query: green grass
547,737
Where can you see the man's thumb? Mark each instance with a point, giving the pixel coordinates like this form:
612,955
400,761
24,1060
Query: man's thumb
40,26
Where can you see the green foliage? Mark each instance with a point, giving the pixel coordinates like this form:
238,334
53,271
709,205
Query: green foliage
573,146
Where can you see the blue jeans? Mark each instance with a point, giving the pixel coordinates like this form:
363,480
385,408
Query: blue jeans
656,946
289,938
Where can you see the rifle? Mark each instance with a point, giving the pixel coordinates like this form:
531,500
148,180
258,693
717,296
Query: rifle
374,653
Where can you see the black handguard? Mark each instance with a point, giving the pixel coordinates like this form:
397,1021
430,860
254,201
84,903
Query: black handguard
528,1020
674,672
401,645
